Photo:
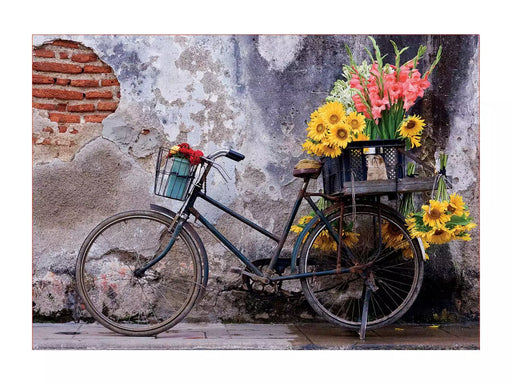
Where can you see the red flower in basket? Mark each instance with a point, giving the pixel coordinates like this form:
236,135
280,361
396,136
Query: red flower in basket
185,151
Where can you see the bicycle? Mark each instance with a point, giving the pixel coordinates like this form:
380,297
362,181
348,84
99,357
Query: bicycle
139,273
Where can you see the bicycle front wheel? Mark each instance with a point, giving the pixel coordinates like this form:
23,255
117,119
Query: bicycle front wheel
153,302
386,263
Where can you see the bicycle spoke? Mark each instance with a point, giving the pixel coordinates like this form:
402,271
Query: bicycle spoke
396,277
142,305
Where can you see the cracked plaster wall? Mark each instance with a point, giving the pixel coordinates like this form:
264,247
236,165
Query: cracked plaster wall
252,93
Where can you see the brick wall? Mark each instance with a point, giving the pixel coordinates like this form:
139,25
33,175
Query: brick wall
73,89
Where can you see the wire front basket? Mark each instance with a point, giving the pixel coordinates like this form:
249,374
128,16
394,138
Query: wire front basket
174,175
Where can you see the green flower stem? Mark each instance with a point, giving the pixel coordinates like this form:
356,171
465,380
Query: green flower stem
442,190
407,203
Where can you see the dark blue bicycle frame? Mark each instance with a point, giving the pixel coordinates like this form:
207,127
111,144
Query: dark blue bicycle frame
280,240
189,209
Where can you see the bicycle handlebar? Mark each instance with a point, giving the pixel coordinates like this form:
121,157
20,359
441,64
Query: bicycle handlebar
233,155
229,153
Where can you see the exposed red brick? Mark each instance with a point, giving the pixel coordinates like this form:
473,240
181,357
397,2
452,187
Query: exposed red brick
145,131
81,108
62,81
85,83
57,94
66,43
63,55
108,82
44,53
48,107
84,57
98,95
48,129
64,118
61,107
63,128
105,106
56,67
96,69
73,131
38,79
44,142
94,118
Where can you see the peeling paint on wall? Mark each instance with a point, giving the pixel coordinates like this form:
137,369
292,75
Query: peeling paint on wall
254,94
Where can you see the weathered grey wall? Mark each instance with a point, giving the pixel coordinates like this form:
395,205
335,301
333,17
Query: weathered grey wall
252,93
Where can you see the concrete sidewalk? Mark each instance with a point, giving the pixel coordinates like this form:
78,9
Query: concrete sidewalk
217,336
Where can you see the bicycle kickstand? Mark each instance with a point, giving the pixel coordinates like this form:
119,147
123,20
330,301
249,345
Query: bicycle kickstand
364,320
369,287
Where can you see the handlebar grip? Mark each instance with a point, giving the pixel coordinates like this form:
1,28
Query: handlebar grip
233,155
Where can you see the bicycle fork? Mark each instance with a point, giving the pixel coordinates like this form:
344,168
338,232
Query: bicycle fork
139,272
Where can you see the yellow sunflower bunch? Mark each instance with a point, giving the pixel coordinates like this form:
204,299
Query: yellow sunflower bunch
330,129
411,130
324,241
393,237
441,221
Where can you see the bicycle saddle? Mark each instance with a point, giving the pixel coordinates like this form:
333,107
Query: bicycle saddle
307,168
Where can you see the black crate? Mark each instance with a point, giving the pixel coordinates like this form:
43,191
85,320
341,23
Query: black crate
352,161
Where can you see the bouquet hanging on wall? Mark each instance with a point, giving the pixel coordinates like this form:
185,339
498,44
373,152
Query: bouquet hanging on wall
444,218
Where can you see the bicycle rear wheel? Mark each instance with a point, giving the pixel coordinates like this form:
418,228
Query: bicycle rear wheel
387,263
123,302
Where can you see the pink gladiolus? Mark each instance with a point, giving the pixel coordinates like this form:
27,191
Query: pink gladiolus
378,105
356,83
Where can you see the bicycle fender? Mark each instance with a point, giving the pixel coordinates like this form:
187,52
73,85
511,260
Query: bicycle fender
202,251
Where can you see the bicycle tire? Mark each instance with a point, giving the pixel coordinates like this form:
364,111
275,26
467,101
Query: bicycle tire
146,305
397,272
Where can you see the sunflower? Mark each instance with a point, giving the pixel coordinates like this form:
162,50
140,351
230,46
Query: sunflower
412,126
392,235
435,215
317,129
461,231
331,150
300,224
360,137
464,236
350,238
332,112
415,141
356,122
416,226
456,205
311,147
296,229
325,242
305,219
440,236
407,253
339,135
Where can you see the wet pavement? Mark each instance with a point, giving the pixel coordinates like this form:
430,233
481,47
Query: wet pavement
219,336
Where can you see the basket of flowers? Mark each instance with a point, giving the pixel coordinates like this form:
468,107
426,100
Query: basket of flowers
363,129
175,170
364,132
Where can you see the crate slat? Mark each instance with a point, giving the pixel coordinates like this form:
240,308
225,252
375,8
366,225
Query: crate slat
408,184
